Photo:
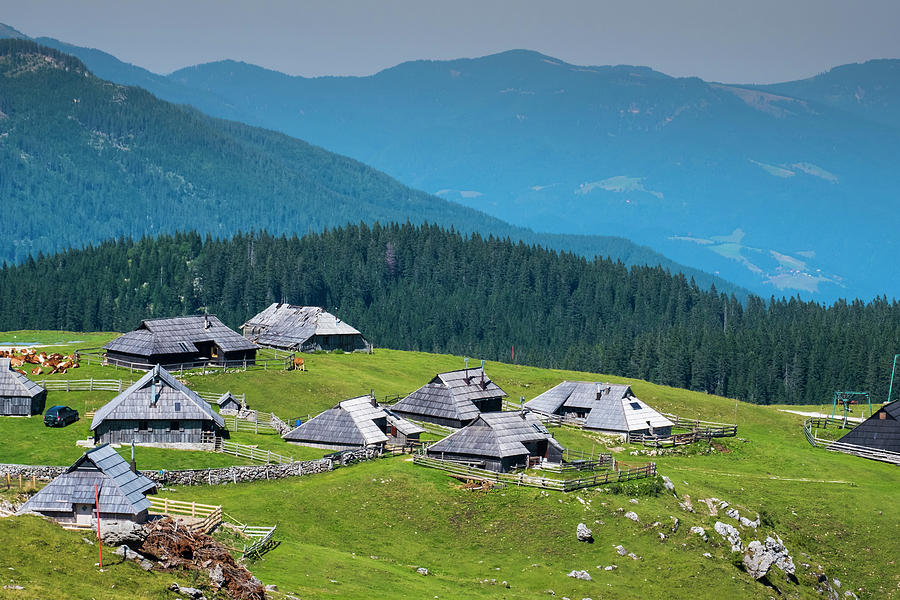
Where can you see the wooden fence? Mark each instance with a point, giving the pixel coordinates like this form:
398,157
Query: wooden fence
436,429
264,541
98,356
243,451
706,428
262,423
813,423
209,516
84,385
563,485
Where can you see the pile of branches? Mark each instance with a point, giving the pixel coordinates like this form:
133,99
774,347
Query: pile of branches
176,546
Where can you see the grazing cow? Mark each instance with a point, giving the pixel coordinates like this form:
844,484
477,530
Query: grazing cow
37,371
16,361
299,363
20,371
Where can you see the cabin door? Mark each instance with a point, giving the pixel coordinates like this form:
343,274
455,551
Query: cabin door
84,513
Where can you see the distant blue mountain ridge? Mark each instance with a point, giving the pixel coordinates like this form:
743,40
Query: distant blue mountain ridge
784,189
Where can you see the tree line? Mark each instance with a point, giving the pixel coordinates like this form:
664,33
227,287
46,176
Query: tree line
430,289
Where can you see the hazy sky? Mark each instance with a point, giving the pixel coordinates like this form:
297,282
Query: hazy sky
737,41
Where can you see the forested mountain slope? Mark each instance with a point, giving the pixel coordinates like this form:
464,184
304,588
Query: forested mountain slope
83,160
429,289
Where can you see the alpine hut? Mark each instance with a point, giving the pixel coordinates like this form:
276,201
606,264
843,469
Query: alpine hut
303,329
453,399
606,407
500,441
175,341
354,423
19,396
157,410
881,431
100,473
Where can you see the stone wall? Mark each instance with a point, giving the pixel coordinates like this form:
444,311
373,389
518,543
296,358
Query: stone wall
216,476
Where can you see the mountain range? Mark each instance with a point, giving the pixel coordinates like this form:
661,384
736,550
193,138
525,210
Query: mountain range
785,188
84,160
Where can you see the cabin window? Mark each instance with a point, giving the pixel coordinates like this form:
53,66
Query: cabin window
184,346
178,407
143,426
635,405
214,351
883,416
174,425
539,428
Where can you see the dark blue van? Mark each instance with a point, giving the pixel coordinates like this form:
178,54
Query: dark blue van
60,416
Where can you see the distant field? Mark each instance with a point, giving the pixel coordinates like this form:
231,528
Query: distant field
361,531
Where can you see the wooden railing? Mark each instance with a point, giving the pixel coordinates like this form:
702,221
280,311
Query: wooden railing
263,541
563,485
262,423
84,385
210,515
706,428
435,428
243,451
812,423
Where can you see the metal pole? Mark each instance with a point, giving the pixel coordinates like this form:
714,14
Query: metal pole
97,504
893,369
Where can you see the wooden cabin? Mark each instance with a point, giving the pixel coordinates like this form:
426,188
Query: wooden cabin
881,431
303,329
453,399
199,339
19,396
606,407
354,423
500,441
158,410
71,497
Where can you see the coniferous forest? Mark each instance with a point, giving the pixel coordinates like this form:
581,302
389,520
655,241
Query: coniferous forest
426,288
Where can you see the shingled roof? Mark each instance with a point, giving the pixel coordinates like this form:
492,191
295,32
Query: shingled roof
495,434
15,385
880,431
121,490
173,401
451,395
352,423
178,335
610,407
290,326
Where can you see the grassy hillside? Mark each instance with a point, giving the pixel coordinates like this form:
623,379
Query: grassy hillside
361,531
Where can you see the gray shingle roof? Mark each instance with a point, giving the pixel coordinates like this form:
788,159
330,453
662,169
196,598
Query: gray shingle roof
174,401
178,335
496,434
288,325
14,384
610,407
450,395
121,490
351,422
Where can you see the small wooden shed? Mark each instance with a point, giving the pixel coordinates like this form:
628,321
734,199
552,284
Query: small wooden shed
71,497
607,407
158,410
452,399
354,423
500,441
19,396
228,403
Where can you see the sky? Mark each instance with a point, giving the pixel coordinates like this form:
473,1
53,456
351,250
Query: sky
748,41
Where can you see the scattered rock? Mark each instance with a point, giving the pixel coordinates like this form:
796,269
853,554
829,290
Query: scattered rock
422,571
667,483
190,592
686,505
836,583
633,556
583,534
146,565
723,505
621,550
580,575
711,505
125,532
610,567
271,588
731,534
707,555
662,536
733,513
700,531
217,576
748,523
761,556
633,501
633,516
675,524
13,587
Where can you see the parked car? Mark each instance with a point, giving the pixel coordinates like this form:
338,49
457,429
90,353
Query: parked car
60,416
